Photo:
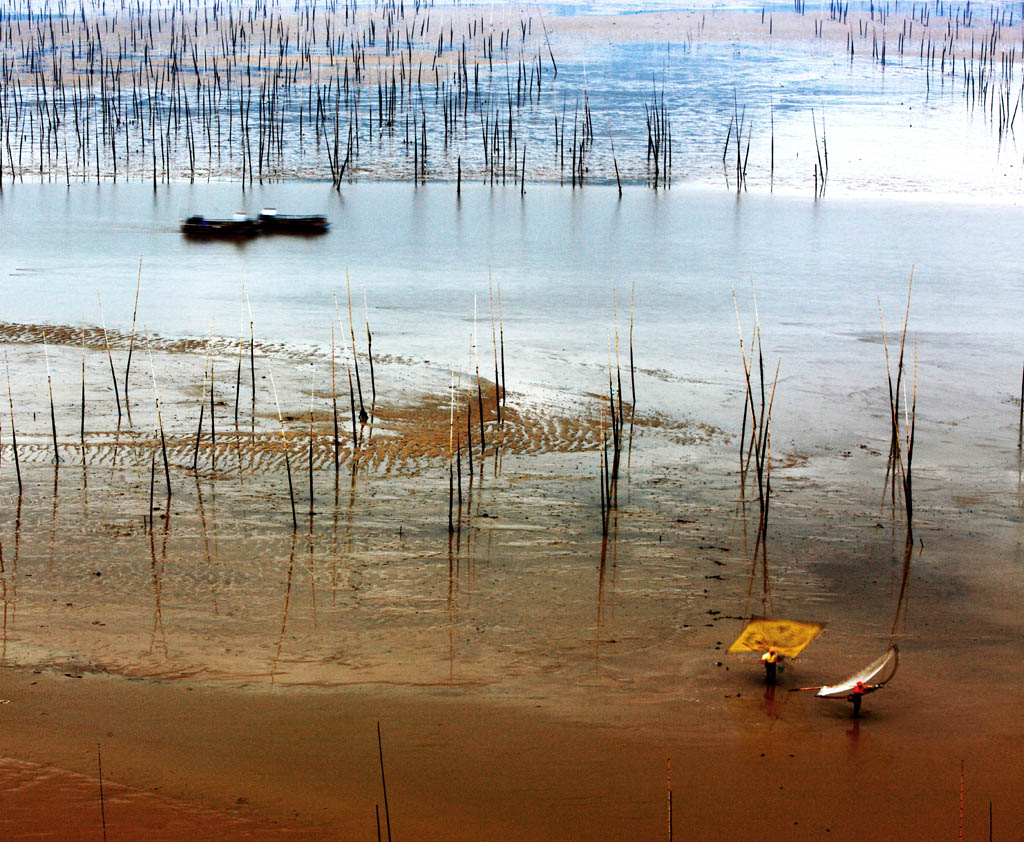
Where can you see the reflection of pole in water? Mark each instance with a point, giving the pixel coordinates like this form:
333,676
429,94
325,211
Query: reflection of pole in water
901,600
10,598
312,573
609,542
334,410
14,435
853,732
206,546
82,425
110,359
156,576
159,418
312,394
131,343
452,605
334,547
284,613
3,585
53,417
284,445
53,515
202,410
600,597
252,368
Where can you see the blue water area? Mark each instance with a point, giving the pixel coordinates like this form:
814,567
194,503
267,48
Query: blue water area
567,263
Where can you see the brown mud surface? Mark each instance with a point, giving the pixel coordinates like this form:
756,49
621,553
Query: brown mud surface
532,680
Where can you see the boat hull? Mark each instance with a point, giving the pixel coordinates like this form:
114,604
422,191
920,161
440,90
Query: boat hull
225,229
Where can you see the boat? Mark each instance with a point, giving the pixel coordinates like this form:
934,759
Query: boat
273,222
874,676
238,227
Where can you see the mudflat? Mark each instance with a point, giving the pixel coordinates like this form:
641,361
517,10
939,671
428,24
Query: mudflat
532,678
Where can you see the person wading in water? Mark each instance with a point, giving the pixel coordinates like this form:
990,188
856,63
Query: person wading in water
856,697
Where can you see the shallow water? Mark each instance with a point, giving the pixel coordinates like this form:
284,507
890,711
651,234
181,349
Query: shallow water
900,126
564,261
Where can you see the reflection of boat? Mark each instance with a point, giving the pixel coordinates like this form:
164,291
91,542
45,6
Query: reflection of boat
273,222
872,677
239,227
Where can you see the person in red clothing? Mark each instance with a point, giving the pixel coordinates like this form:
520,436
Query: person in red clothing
856,696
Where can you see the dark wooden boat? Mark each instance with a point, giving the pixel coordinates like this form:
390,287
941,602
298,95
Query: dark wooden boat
273,222
240,227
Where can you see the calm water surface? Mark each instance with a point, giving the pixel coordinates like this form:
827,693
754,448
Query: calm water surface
564,260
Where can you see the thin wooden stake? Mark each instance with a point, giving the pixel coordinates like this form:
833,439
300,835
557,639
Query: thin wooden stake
110,359
284,443
383,781
131,341
159,416
103,811
53,418
14,435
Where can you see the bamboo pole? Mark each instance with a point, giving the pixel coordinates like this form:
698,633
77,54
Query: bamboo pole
494,343
14,434
53,418
131,342
159,416
82,421
334,409
312,394
363,417
110,359
284,445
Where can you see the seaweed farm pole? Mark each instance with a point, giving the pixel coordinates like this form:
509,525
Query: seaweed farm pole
632,369
501,342
82,427
284,442
494,342
479,391
152,487
238,367
131,342
103,812
384,783
1020,427
53,418
451,435
601,463
668,786
110,358
312,392
213,426
334,407
202,411
615,162
14,435
369,353
469,429
252,364
911,423
159,417
606,482
363,417
352,405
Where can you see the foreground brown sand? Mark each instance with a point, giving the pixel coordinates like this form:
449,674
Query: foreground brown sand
530,679
224,763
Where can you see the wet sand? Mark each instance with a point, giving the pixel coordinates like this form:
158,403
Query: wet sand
531,679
